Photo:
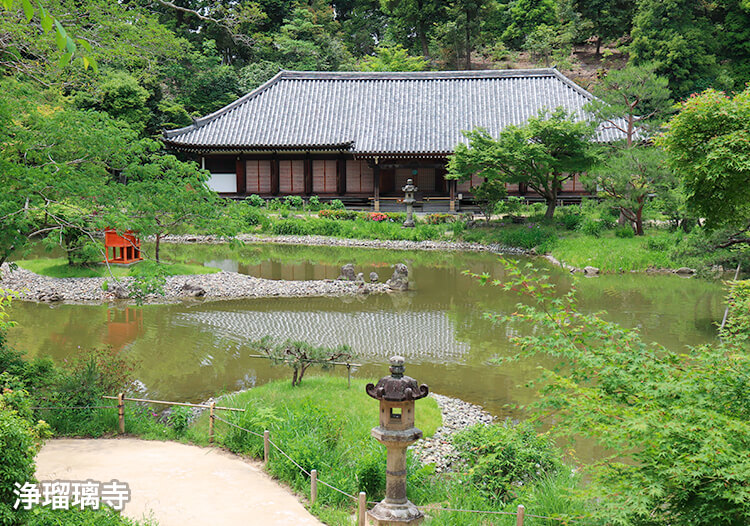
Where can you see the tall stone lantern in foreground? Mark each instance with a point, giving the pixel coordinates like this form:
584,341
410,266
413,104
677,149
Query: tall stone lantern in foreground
396,432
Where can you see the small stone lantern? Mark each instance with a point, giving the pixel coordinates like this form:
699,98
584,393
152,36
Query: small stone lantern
409,201
396,432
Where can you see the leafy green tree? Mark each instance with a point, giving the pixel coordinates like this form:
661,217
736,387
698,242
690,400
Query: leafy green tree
708,143
679,37
414,17
609,19
543,153
163,195
673,420
309,39
627,177
121,96
391,58
547,42
363,23
524,17
300,356
53,179
487,195
630,100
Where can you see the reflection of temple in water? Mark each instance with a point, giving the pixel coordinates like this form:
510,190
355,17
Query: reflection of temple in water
123,326
419,336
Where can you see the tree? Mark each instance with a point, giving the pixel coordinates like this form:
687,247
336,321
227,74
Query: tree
627,177
414,17
673,420
609,19
525,17
300,356
679,37
543,153
55,179
487,195
631,99
392,58
163,194
708,143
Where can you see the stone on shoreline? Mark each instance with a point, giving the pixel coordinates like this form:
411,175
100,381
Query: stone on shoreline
400,278
347,272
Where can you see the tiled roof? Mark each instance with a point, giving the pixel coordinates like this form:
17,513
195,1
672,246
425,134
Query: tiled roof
388,113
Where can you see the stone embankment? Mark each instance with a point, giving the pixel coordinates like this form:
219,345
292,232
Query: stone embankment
222,285
457,415
358,243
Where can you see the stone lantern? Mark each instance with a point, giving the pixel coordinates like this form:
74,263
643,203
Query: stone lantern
396,432
409,201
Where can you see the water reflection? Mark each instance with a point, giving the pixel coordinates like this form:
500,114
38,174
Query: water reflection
192,351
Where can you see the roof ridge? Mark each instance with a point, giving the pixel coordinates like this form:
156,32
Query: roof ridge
417,75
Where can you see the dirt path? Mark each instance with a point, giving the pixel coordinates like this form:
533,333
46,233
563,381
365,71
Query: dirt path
177,484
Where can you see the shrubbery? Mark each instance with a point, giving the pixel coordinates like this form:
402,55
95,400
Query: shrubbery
503,458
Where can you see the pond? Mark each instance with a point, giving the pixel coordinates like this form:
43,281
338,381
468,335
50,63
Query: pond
194,350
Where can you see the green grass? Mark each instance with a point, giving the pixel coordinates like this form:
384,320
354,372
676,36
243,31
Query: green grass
59,268
613,254
322,425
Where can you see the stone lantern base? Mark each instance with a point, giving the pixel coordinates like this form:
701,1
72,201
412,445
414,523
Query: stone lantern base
385,514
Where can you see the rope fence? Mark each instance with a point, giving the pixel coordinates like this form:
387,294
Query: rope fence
360,499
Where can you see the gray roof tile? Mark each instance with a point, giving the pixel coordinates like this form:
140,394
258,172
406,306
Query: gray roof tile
389,113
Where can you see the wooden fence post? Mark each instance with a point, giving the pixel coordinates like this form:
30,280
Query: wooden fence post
362,514
266,446
313,486
121,412
519,515
211,414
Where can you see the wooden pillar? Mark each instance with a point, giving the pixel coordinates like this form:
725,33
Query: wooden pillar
275,175
308,175
376,187
121,412
211,415
341,175
452,185
313,486
266,446
362,509
240,166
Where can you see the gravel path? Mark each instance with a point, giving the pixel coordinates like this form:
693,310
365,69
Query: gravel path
222,285
177,484
359,243
457,415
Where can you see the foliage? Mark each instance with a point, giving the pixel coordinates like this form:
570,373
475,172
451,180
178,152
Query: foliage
678,37
392,58
674,420
105,516
526,16
708,147
322,424
738,320
439,219
20,440
59,268
503,458
487,196
255,200
626,178
336,204
590,226
149,278
624,232
543,153
179,418
300,356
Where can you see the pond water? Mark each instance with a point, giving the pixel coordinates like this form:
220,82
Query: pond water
194,350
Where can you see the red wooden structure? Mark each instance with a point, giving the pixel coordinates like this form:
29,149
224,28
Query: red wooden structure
126,248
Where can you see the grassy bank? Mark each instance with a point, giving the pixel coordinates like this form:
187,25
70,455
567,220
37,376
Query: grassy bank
59,268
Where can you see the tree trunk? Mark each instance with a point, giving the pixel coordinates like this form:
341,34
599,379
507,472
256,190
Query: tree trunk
638,223
598,46
468,40
294,377
551,204
423,39
156,247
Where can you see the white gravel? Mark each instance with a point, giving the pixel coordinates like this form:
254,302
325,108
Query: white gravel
457,415
222,285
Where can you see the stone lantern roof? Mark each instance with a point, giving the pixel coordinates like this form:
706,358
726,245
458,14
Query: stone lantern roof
397,387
